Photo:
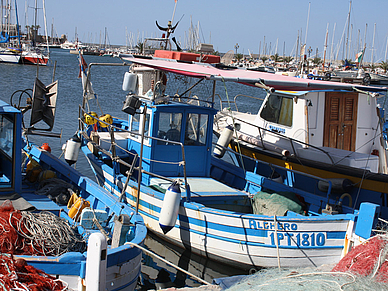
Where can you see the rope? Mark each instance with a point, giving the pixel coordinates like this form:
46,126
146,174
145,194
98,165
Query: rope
364,172
169,263
151,160
234,128
47,234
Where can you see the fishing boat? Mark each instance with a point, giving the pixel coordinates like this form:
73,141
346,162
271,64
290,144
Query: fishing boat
337,133
332,130
60,221
160,161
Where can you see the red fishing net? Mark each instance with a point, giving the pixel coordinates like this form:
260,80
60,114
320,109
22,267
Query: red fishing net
21,234
17,275
40,234
368,259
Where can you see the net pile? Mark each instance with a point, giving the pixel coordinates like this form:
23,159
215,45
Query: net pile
24,233
365,267
306,279
369,259
17,275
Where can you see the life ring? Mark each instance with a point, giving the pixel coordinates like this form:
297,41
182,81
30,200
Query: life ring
327,76
366,79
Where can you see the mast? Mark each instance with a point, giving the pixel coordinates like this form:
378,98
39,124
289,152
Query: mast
35,21
373,44
347,36
325,47
307,25
17,24
332,43
45,26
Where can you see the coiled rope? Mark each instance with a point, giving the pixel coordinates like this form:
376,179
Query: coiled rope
47,234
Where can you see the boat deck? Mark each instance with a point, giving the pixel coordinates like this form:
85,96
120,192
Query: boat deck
29,201
201,187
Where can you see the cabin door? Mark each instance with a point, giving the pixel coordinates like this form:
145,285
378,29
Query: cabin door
340,126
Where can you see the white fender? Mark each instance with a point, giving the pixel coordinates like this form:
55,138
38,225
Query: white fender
223,141
130,82
169,212
72,149
95,275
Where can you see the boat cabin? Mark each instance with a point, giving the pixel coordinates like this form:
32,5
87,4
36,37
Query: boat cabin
180,131
10,149
334,126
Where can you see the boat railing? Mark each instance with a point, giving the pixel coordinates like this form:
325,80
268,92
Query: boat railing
273,167
234,102
280,136
112,129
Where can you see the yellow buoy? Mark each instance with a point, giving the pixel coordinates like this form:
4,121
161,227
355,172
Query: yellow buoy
90,118
107,118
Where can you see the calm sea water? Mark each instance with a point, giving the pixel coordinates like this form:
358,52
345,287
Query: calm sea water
107,84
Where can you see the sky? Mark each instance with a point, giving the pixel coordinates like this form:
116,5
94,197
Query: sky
248,25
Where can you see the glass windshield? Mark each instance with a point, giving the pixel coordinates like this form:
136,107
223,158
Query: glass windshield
196,129
170,125
278,109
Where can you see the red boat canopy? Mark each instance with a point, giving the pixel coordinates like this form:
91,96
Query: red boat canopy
248,77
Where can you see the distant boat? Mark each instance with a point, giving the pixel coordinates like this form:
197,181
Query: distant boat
10,36
7,56
34,57
32,54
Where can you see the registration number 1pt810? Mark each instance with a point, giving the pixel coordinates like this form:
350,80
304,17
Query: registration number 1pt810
299,239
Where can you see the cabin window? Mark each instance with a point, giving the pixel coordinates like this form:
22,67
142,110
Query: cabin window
147,124
6,135
135,124
278,109
170,125
196,129
6,151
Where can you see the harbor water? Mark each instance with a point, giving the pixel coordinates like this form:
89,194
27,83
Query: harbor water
107,84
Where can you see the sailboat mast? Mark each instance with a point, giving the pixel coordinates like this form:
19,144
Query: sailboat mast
307,25
35,22
332,44
373,44
347,36
45,26
17,24
325,48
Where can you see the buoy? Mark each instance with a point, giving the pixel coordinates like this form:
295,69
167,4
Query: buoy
45,146
72,149
106,118
90,118
130,82
169,212
223,141
96,262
